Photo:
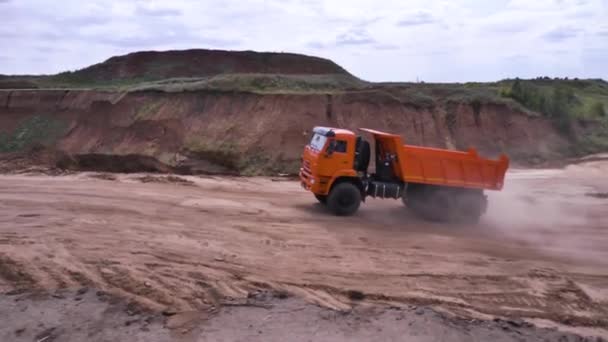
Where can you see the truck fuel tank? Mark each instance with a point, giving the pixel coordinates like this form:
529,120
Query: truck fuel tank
385,189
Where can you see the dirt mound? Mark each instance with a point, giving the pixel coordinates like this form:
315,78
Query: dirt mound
150,65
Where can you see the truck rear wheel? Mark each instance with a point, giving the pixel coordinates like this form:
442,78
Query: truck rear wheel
469,205
344,199
321,198
443,204
428,202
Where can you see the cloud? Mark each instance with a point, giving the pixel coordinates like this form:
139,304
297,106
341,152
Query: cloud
84,20
386,46
137,41
560,34
157,12
582,14
49,49
159,39
356,37
50,36
416,19
37,59
508,26
316,45
8,33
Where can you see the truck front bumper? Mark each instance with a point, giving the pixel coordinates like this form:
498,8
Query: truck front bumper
306,180
317,185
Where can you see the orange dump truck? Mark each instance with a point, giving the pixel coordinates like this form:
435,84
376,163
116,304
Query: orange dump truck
437,184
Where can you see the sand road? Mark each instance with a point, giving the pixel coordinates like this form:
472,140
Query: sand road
540,253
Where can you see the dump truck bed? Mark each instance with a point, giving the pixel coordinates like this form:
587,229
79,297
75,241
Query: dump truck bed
425,165
452,168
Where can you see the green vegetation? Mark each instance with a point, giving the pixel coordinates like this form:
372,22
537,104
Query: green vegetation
34,130
254,162
558,98
256,83
598,110
557,102
567,102
224,154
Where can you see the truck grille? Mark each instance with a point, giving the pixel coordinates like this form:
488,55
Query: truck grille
305,171
306,167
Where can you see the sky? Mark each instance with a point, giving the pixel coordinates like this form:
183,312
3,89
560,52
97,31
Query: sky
384,40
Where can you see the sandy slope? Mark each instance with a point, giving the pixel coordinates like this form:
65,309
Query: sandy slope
540,253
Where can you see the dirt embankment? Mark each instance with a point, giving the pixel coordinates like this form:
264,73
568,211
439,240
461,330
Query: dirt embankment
210,131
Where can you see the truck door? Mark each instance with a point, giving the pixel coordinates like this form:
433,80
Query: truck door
341,154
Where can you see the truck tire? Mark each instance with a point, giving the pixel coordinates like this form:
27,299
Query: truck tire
470,206
321,198
344,199
428,202
443,204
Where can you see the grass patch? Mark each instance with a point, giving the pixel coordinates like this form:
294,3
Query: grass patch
256,83
224,154
254,162
35,130
561,100
586,99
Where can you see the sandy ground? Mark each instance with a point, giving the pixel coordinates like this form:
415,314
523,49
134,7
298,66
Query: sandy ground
86,315
539,254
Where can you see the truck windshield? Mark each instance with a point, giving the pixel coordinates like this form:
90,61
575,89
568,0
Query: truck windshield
318,141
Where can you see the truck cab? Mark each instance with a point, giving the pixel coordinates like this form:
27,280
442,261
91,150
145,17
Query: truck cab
330,153
334,156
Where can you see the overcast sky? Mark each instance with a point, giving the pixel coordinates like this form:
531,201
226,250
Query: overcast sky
384,40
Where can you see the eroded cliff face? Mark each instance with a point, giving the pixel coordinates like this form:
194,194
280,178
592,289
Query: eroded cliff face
210,131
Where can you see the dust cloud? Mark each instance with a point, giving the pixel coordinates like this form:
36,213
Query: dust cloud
546,209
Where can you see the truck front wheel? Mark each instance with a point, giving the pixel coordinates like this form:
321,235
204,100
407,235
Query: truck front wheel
344,199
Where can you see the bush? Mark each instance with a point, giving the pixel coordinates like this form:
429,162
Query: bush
597,110
34,130
557,104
